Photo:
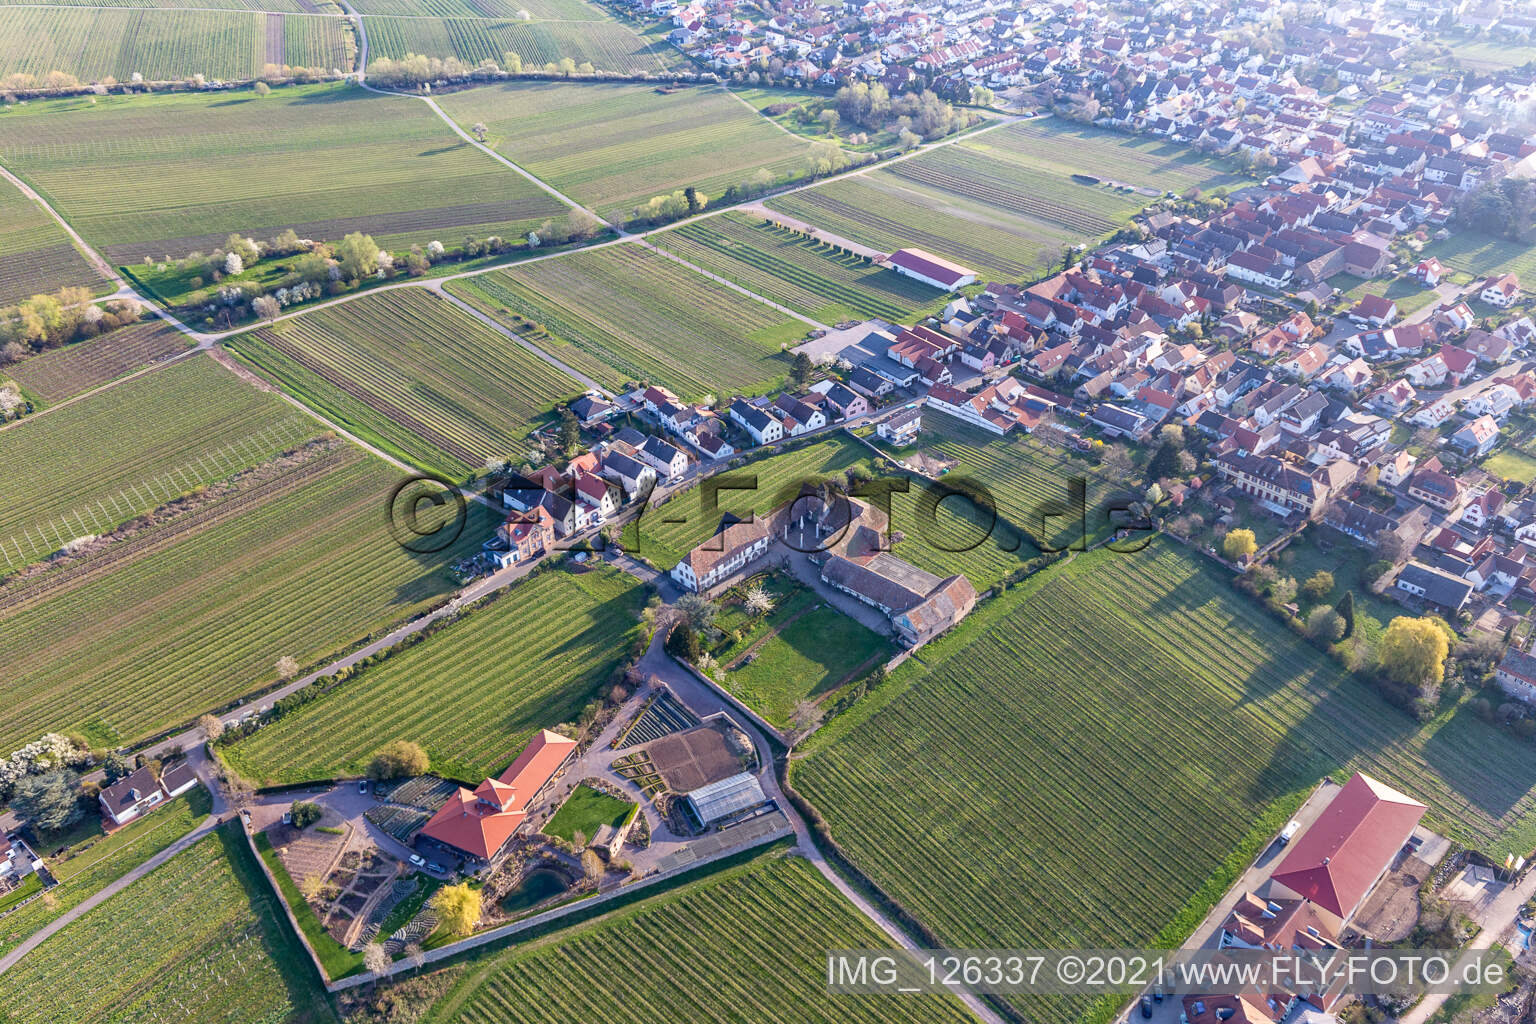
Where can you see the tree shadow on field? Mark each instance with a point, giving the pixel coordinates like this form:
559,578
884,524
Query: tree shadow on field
440,150
234,102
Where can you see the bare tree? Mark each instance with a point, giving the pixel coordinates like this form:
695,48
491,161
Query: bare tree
212,727
287,667
479,130
758,601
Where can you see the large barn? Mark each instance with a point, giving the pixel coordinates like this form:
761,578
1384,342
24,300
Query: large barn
930,269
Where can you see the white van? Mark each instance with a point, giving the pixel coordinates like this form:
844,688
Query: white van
1289,832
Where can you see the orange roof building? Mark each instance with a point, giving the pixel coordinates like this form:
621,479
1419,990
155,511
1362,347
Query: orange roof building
477,824
1339,859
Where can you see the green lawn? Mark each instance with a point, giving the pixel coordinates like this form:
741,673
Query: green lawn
1511,464
744,943
29,885
168,174
1408,293
585,811
807,659
1135,715
611,146
415,376
1480,255
471,694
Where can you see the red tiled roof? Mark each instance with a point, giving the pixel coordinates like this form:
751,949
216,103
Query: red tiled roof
929,265
1337,859
480,823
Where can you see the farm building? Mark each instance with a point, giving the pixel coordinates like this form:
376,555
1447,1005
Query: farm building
1340,858
733,546
728,798
477,825
930,269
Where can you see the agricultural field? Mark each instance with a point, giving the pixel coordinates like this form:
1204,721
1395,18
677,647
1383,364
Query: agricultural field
414,375
611,146
1003,201
85,468
606,45
744,943
1479,255
803,274
1166,726
886,212
95,44
628,313
472,694
35,254
391,168
1487,55
1059,148
150,630
86,867
539,10
1023,475
188,943
279,6
53,376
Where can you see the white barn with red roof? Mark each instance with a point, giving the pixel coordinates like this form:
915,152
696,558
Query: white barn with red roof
477,825
1352,844
930,269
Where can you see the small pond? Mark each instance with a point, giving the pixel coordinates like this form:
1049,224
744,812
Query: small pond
536,886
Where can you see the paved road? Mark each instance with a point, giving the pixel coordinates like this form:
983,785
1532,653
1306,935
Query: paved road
1497,921
200,763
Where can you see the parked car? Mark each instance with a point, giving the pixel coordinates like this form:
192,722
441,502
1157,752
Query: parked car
1146,1007
1289,832
417,860
362,786
287,818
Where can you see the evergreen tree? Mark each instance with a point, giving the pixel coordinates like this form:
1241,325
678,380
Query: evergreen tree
1346,610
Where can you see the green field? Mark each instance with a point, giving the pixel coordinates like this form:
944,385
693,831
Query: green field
415,376
1024,476
323,160
472,694
541,10
626,313
803,274
188,942
1002,201
166,45
1408,293
585,811
86,867
152,630
1480,255
280,6
90,466
61,373
1511,464
35,253
800,650
1492,54
606,45
610,146
1079,759
1051,149
747,943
